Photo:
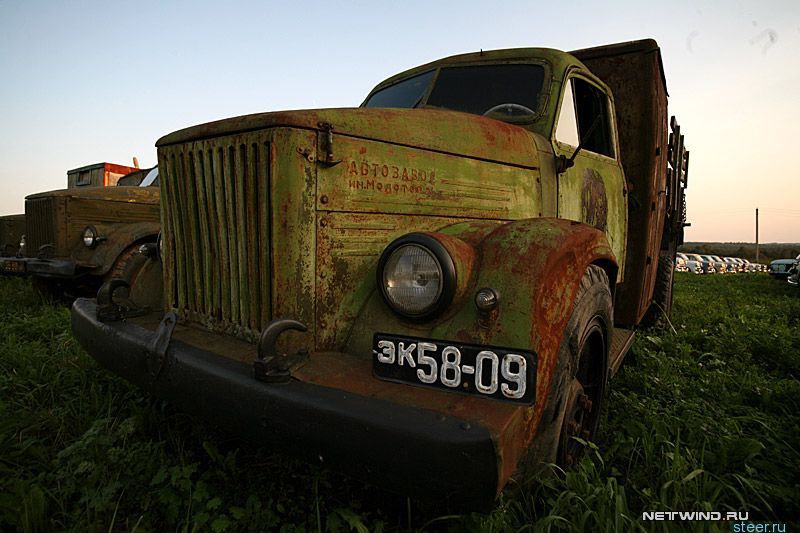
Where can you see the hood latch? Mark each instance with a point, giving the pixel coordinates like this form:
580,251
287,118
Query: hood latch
327,140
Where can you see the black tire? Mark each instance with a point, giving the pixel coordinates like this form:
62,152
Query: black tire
579,380
662,292
143,274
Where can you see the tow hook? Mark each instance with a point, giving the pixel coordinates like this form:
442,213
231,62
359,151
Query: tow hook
271,367
157,349
111,310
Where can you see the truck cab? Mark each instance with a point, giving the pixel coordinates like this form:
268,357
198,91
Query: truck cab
430,290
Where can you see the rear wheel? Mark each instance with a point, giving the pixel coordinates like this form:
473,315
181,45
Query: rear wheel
662,292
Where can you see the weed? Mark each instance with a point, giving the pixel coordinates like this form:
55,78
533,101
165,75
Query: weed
702,418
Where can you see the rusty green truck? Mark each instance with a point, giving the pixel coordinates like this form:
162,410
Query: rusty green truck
431,290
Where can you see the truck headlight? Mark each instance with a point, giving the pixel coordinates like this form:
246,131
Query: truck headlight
416,276
90,237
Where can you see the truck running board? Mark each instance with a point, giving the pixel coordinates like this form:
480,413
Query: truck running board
621,340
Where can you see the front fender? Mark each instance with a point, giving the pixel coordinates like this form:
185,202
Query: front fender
535,265
118,237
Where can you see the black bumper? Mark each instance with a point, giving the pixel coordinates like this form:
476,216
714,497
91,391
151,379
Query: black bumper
404,449
56,268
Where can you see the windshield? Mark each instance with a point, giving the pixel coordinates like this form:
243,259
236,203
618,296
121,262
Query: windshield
406,93
151,178
509,90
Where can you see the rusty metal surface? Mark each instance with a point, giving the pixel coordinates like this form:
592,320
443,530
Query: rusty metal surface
384,178
547,256
284,215
41,226
435,130
123,216
634,73
217,248
97,175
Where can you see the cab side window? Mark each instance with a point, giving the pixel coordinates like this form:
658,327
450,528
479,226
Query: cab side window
585,116
567,129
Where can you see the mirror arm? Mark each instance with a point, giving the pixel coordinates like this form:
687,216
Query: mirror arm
563,163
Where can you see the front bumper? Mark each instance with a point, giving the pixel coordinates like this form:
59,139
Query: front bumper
55,268
405,449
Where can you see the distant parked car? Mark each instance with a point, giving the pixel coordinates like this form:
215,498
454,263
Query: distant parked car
731,265
794,273
780,268
680,263
690,264
706,266
720,265
750,267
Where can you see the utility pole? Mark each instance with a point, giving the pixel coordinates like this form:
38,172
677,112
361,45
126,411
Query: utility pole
756,235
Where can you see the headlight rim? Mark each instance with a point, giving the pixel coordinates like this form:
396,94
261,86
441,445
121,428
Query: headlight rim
94,234
446,264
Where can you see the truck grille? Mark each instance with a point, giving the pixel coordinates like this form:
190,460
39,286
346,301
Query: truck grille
39,224
215,217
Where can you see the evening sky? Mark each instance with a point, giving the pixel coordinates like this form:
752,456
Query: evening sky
91,81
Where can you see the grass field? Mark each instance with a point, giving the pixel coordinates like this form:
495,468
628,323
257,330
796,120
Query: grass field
704,416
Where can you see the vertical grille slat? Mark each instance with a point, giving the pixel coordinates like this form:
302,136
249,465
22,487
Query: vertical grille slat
222,231
230,194
254,239
215,269
265,223
217,208
243,241
193,238
204,215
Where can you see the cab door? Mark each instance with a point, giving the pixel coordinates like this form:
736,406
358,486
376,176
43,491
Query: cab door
592,189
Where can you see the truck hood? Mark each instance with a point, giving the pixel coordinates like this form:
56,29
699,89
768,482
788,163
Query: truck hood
437,130
146,195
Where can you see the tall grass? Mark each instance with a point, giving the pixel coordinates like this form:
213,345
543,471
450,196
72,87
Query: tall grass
702,418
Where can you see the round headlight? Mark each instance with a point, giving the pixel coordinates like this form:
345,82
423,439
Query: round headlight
416,276
89,236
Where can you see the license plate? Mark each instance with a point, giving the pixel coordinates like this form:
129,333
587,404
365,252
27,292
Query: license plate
499,373
12,265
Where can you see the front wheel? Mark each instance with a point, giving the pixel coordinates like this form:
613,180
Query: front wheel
583,381
143,274
576,395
